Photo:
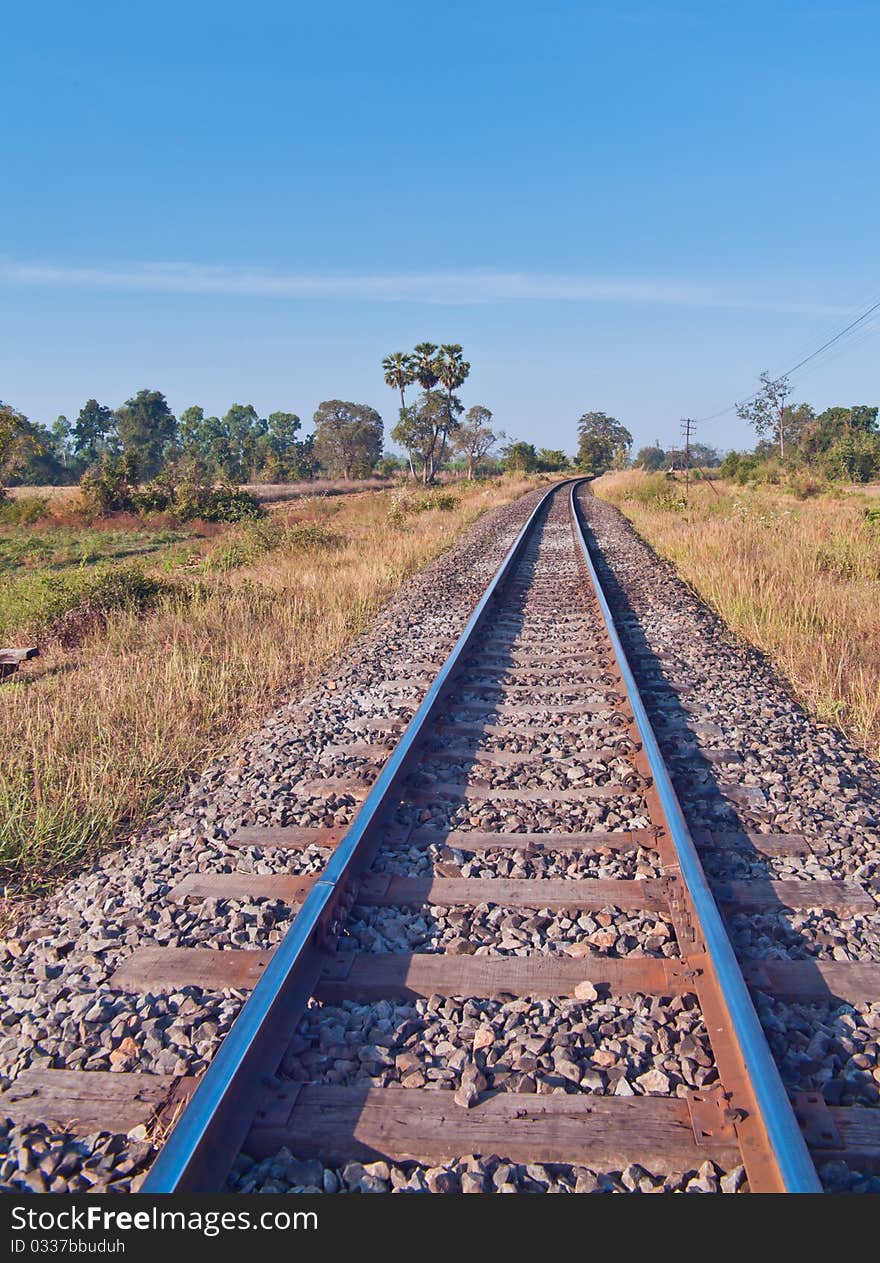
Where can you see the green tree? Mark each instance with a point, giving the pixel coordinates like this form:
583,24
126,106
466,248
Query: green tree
111,486
147,429
855,456
193,432
822,432
243,429
651,458
521,458
423,429
348,437
551,460
602,442
767,411
699,455
452,372
19,442
45,462
61,432
285,457
398,370
425,365
796,423
474,438
92,431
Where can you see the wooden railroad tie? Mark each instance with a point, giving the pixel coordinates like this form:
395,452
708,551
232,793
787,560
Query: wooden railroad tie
390,890
364,976
401,1124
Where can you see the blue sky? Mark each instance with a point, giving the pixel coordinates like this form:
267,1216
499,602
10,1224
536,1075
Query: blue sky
633,207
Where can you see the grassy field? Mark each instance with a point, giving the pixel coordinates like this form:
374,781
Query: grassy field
798,578
157,669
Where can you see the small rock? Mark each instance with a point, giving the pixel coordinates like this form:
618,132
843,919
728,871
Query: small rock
654,1081
466,1096
442,1181
473,1182
380,1170
587,1183
586,991
733,1180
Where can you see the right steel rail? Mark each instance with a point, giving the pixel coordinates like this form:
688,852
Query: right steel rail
772,1145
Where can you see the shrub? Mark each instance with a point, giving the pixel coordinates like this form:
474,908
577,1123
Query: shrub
803,484
23,511
69,604
311,536
855,457
408,501
244,546
224,504
656,491
110,486
252,540
185,490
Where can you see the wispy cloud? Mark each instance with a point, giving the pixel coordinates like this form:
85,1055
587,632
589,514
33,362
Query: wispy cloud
455,288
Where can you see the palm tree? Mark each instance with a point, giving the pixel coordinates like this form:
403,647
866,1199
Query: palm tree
452,369
399,372
398,369
424,365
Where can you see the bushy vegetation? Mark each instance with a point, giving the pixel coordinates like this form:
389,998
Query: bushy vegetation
67,604
182,489
839,444
245,544
23,510
407,502
659,492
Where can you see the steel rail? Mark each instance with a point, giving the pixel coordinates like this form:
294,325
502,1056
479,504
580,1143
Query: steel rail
797,1173
200,1150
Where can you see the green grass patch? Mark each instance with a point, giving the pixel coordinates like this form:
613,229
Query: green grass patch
246,544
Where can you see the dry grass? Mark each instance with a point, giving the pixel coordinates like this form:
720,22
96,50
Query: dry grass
798,579
96,738
57,496
276,492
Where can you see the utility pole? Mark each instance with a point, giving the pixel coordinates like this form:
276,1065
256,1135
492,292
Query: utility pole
687,428
782,430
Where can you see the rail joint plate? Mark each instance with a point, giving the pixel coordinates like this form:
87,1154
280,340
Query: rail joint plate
712,1119
816,1121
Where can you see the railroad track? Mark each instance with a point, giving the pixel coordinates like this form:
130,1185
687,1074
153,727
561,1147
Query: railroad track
576,1002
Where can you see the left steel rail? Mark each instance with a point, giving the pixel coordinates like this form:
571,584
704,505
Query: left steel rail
200,1150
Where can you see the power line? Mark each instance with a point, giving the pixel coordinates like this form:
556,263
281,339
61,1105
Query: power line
807,358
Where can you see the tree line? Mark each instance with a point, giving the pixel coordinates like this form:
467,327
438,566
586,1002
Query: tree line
241,446
841,442
111,450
